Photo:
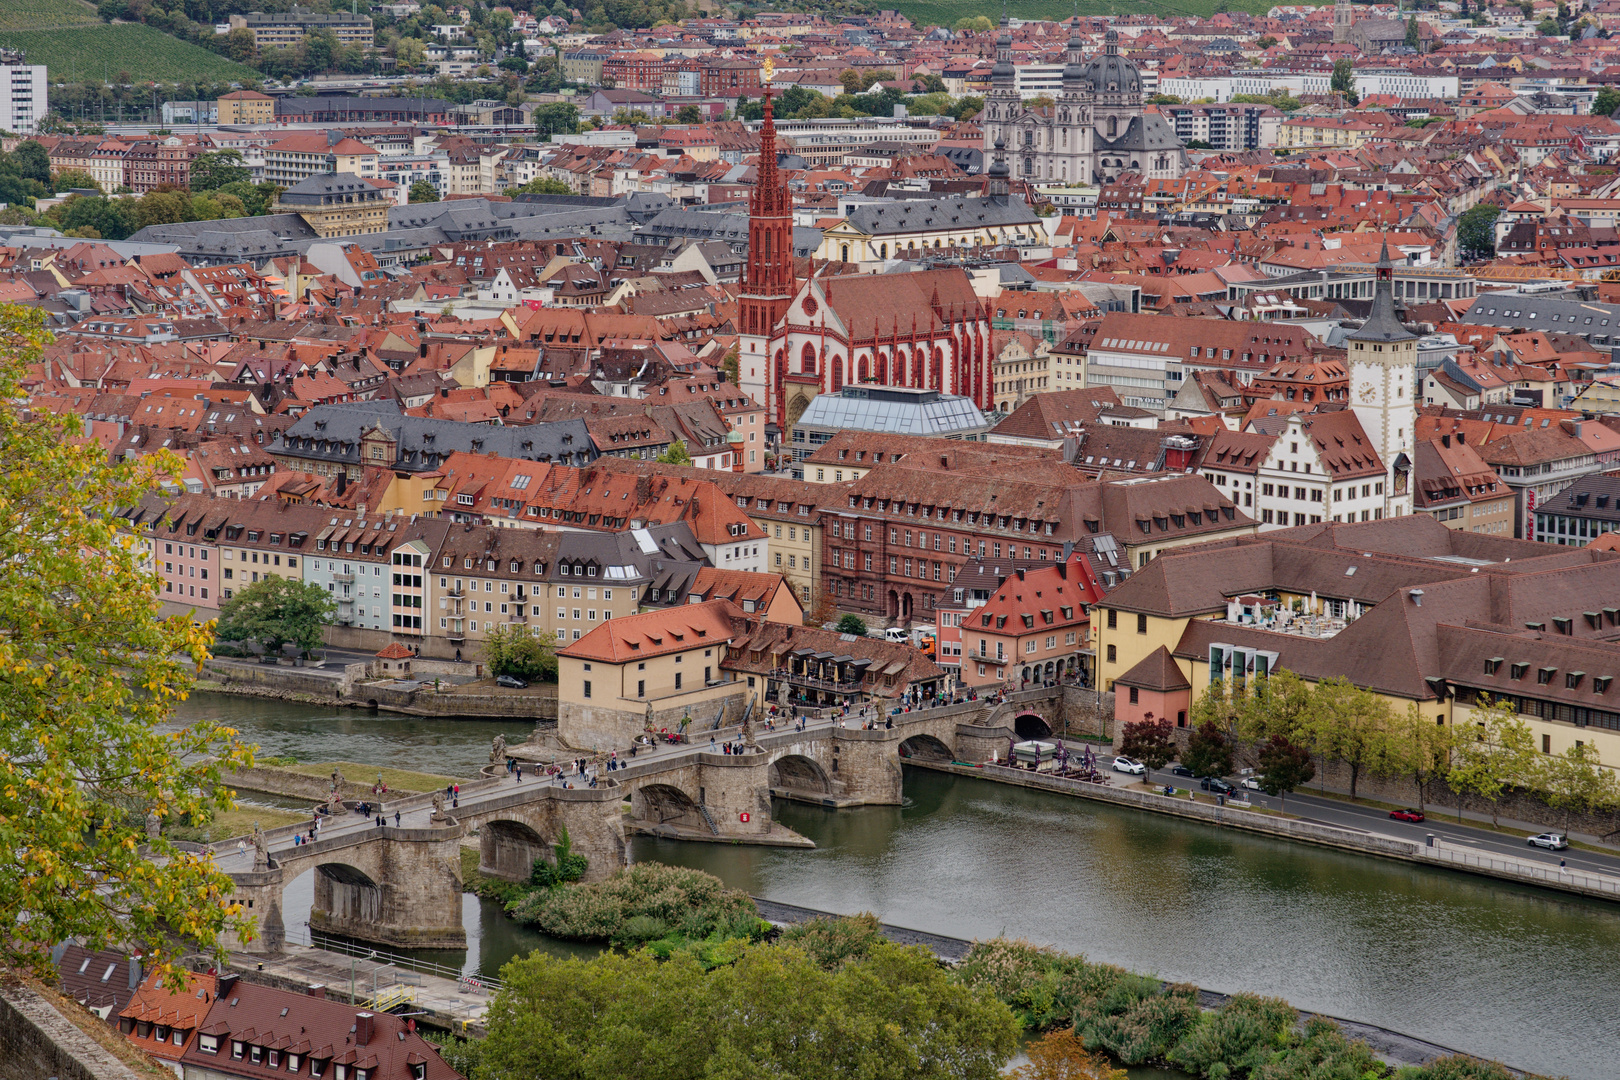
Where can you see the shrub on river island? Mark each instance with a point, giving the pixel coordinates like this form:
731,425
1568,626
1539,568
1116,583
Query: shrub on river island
642,903
1138,1020
833,942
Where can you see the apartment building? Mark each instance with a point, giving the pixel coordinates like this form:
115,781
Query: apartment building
312,153
23,98
1033,628
290,29
246,107
336,204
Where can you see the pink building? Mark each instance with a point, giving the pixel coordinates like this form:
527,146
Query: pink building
1153,689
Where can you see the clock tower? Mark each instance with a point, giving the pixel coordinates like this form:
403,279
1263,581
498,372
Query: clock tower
1383,388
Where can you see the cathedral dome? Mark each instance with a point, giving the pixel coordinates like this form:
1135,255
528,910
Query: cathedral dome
1111,72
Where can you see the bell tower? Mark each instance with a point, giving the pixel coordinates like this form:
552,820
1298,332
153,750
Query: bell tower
1343,17
1384,386
768,282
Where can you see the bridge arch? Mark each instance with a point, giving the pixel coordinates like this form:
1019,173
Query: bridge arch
508,849
346,900
925,746
800,773
665,804
1028,725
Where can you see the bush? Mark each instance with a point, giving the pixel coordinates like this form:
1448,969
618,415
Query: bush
568,867
1324,1054
687,902
832,943
1137,1021
1237,1039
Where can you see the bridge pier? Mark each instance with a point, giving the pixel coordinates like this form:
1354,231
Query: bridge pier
259,893
526,822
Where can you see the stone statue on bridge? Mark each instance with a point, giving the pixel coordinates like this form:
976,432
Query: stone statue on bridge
782,694
438,806
497,750
748,731
261,851
337,781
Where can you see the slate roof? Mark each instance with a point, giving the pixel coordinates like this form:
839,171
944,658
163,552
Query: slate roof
333,433
974,212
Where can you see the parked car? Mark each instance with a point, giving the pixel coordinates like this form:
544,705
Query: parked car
1551,840
1407,815
511,681
1215,785
1252,783
1126,765
1180,770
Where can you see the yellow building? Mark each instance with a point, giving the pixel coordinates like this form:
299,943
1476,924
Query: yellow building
285,31
247,107
340,204
1404,607
1314,131
1019,369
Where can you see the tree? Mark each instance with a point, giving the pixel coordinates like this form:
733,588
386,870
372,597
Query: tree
975,24
1062,1055
542,185
422,191
1152,742
731,367
675,455
1344,80
89,673
32,161
1284,767
1279,704
689,114
773,1012
516,650
112,219
277,611
74,178
559,117
1350,725
1265,43
1412,36
1498,754
215,169
852,624
1420,750
163,208
1476,228
1576,782
1209,751
1549,27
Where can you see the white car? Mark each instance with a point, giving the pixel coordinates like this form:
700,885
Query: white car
1551,840
1126,765
1252,783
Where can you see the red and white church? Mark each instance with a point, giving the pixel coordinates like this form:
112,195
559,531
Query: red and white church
924,329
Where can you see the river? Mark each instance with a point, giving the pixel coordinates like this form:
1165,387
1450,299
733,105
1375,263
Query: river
1528,977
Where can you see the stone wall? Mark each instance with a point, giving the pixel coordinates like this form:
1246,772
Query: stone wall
289,680
37,1042
603,727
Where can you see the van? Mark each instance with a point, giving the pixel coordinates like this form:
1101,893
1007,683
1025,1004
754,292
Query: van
897,634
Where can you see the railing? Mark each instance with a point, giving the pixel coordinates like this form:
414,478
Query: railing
708,819
410,963
815,683
1507,865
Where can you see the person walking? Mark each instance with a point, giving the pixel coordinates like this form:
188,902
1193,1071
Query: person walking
520,774
396,818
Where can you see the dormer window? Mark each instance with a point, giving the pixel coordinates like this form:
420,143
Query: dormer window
238,1048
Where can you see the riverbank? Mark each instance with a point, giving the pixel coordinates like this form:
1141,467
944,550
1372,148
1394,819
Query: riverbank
1394,1047
1434,853
348,685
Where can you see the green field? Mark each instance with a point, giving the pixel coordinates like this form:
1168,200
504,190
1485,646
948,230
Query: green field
45,14
98,52
947,12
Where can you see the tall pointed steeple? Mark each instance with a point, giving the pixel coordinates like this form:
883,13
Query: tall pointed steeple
1383,325
768,280
1002,74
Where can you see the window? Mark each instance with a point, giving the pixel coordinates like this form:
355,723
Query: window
677,679
1113,656
1141,624
1134,694
1113,619
587,692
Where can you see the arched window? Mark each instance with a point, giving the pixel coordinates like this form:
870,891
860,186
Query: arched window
883,251
837,365
882,368
1113,127
807,359
861,369
843,253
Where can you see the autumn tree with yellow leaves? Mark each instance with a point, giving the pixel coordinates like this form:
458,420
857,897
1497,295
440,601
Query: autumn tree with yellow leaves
89,675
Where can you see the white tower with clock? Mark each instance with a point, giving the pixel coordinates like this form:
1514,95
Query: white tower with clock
1383,388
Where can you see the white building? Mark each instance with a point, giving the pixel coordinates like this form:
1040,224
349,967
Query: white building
1404,84
22,97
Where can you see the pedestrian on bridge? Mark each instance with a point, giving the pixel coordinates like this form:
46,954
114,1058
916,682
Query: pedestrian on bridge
396,817
520,774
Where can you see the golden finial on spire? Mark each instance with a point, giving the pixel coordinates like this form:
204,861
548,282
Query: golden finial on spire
767,70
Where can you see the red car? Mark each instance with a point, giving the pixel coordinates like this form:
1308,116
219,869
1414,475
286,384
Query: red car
1406,815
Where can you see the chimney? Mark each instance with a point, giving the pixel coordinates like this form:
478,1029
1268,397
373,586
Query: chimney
1445,440
342,482
134,972
423,351
316,990
362,1028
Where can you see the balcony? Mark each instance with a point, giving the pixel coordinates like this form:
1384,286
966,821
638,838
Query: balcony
343,579
455,594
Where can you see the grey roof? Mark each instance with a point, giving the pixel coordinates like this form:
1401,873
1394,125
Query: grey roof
1141,135
233,239
313,189
894,409
331,433
671,225
963,212
1595,497
1383,325
1554,312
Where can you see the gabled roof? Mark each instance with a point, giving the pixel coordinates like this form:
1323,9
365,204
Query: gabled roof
658,633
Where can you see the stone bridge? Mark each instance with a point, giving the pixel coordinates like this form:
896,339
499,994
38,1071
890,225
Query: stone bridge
401,884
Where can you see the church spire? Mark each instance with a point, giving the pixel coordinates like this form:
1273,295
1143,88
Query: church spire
1383,325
